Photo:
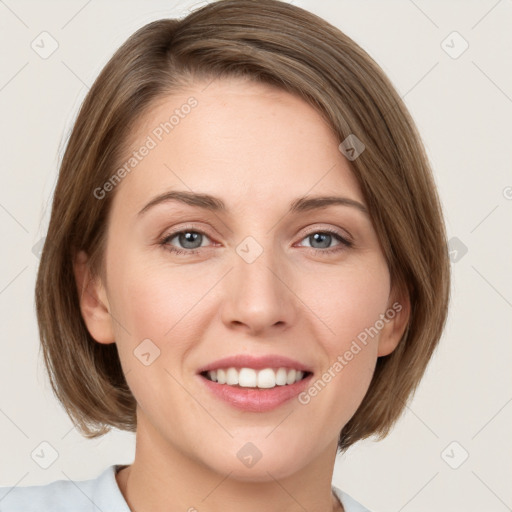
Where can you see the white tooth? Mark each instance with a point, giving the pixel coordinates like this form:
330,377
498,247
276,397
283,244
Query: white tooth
247,378
221,376
290,378
266,378
232,377
281,376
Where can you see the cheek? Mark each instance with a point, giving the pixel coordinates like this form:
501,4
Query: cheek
350,300
149,307
155,301
166,306
350,304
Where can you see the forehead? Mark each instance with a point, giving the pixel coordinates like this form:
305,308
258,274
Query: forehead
236,139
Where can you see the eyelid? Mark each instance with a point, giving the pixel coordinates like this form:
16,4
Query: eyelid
342,233
169,235
343,241
310,230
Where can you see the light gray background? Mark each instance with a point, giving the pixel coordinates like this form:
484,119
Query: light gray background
463,108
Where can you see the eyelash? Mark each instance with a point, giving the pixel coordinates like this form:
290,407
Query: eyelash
345,244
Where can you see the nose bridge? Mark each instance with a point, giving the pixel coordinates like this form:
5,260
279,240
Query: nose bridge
256,267
257,295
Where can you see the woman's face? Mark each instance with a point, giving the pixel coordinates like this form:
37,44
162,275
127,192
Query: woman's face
264,276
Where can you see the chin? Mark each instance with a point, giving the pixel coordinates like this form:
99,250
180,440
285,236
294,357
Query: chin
258,460
261,471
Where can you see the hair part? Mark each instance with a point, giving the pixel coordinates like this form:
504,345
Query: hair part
276,43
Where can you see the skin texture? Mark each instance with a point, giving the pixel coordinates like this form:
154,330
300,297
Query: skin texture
257,148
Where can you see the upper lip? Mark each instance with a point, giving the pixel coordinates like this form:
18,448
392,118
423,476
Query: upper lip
258,363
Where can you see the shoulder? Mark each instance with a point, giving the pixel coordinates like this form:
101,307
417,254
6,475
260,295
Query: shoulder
349,503
100,493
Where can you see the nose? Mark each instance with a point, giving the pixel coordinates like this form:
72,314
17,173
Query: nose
258,295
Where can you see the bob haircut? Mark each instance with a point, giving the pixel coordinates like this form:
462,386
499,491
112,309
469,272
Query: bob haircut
276,43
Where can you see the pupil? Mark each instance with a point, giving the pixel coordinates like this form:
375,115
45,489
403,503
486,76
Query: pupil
324,236
189,238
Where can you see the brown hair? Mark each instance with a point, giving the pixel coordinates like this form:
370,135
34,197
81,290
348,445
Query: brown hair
275,43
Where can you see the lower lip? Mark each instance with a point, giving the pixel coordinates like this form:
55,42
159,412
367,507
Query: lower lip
256,400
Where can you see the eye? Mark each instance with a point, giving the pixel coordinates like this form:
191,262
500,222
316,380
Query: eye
189,239
320,241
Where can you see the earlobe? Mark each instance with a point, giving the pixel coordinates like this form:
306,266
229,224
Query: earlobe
94,304
397,315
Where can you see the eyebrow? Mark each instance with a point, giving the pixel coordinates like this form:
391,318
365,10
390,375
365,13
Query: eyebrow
215,204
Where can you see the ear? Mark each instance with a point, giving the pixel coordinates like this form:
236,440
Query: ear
395,322
94,303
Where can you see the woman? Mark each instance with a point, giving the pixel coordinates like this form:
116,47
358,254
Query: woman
246,264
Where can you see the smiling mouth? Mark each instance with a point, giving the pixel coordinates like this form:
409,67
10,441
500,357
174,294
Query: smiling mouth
265,378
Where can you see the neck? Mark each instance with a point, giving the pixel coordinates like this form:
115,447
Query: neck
164,476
